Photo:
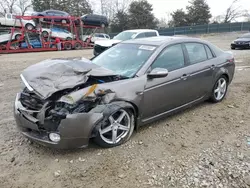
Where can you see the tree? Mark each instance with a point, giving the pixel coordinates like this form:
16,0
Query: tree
23,6
120,22
179,18
141,16
233,12
198,12
7,6
73,7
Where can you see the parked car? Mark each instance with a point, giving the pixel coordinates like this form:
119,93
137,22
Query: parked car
95,20
35,43
242,42
10,20
4,38
55,13
101,46
97,37
58,32
66,102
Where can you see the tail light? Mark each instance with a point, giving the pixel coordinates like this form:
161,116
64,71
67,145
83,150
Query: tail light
230,60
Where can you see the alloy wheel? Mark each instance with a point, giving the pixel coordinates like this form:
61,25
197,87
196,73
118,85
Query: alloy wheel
117,128
220,89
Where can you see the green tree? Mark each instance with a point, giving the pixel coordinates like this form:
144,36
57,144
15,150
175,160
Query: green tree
198,12
120,22
141,15
179,18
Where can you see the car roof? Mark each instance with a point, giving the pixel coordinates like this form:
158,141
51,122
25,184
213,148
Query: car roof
141,30
160,40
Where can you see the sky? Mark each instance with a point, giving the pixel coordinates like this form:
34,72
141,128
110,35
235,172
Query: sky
218,7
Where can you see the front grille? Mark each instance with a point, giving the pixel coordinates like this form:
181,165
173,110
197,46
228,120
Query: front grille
99,49
30,100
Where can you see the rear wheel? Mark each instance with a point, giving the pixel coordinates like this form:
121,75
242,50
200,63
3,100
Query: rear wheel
68,38
116,129
67,46
45,34
18,36
219,90
78,46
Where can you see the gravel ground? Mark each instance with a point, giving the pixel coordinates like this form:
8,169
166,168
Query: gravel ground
205,146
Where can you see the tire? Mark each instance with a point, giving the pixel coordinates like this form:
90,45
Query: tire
45,34
29,26
219,93
18,36
111,125
68,38
67,46
78,46
64,21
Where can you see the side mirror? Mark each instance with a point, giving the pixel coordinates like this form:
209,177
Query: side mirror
158,73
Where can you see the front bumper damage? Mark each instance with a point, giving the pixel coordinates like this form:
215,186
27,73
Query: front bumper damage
75,130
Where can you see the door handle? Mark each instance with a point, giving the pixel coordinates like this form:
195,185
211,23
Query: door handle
184,76
212,67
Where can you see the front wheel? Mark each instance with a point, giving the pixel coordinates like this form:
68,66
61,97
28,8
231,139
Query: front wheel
29,26
116,129
219,90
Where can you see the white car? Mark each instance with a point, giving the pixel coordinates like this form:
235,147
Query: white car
97,37
4,38
58,32
10,20
102,45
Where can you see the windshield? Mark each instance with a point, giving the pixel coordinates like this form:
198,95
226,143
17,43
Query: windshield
246,36
124,59
125,35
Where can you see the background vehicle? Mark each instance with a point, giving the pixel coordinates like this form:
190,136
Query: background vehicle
95,20
10,20
101,46
35,43
131,84
53,13
97,37
58,32
5,37
241,42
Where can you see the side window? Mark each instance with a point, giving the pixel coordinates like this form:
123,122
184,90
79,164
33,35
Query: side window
101,36
141,35
150,34
171,58
196,52
209,52
9,16
107,36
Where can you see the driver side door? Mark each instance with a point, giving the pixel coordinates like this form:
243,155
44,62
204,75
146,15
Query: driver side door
162,95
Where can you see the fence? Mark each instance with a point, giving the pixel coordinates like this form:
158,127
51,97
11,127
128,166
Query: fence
202,29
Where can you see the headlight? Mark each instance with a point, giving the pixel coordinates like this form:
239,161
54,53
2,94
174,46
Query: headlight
55,137
233,42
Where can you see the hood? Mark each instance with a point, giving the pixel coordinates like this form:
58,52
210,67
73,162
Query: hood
53,75
107,43
242,40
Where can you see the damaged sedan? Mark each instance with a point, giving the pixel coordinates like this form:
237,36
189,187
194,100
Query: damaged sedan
66,102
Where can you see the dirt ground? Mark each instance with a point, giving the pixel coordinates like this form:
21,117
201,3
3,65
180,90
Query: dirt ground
205,146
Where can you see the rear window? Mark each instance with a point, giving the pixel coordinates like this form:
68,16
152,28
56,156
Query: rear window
196,52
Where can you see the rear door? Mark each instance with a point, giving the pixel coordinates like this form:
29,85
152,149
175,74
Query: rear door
199,70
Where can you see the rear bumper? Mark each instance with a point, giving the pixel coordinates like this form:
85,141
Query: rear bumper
75,130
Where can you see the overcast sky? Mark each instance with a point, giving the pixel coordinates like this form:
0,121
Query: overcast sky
218,7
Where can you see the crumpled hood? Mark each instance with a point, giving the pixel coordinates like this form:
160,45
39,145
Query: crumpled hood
107,43
53,75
